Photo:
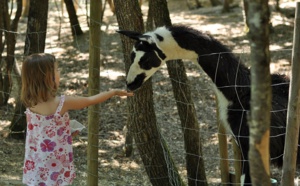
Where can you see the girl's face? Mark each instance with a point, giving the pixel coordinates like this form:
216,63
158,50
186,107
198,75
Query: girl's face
57,74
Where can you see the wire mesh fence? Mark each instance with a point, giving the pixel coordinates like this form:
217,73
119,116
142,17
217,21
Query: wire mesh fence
115,168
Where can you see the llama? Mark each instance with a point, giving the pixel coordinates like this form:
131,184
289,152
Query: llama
231,81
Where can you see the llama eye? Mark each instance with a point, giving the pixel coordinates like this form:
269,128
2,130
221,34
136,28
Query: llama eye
140,46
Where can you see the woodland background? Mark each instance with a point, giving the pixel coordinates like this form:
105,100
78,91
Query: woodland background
72,51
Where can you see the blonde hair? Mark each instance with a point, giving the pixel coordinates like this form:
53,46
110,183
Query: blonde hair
38,79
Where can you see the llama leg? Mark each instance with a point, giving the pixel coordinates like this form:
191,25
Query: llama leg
245,177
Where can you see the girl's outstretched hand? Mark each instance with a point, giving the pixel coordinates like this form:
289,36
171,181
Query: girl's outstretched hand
123,93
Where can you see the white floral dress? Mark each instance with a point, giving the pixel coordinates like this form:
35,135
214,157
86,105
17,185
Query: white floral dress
48,149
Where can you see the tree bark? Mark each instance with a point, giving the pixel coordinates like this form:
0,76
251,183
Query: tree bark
215,2
185,105
261,94
94,87
225,6
150,144
26,8
75,26
3,13
193,4
293,114
34,43
10,36
246,7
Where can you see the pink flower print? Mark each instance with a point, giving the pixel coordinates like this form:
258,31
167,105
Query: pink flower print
62,171
33,148
60,131
30,126
53,165
69,139
42,184
67,174
32,140
58,120
59,182
28,116
67,122
48,145
54,176
43,172
49,131
43,176
29,165
63,160
70,156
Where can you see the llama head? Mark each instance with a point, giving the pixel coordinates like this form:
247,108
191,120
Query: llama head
146,58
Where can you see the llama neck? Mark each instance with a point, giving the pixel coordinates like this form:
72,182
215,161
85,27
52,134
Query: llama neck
226,72
224,69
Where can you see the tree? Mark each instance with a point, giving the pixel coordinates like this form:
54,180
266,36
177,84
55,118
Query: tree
94,86
75,26
293,113
215,2
185,105
261,94
34,43
26,7
193,4
226,5
142,120
11,28
246,7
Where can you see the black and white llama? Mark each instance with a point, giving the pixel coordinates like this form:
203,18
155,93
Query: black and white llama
231,81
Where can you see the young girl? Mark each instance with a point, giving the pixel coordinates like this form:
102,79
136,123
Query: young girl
48,149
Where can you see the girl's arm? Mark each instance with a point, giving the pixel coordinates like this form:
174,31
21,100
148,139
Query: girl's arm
78,102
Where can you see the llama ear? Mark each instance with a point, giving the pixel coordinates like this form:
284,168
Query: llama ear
131,34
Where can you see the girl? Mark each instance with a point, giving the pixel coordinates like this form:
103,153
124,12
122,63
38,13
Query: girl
48,149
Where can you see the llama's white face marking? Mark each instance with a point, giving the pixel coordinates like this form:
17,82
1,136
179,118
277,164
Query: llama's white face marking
144,65
150,52
146,58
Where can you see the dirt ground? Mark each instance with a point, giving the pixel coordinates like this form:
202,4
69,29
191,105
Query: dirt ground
72,54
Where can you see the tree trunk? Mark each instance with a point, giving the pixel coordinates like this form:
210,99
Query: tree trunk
225,6
75,27
3,13
261,94
26,8
193,4
94,87
150,144
215,2
293,113
246,7
34,43
185,105
11,45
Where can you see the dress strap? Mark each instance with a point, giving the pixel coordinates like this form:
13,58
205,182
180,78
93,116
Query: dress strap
61,103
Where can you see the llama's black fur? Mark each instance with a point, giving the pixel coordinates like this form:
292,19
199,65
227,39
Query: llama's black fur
232,79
